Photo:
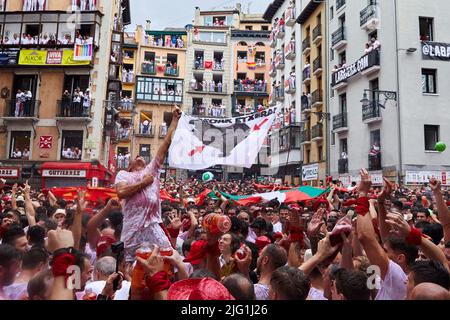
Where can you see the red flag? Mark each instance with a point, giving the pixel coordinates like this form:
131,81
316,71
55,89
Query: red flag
208,64
201,197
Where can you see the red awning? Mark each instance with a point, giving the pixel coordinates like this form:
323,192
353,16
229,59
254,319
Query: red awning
98,171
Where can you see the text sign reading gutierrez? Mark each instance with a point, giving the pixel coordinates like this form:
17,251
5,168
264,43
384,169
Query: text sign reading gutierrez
365,62
9,173
436,51
49,173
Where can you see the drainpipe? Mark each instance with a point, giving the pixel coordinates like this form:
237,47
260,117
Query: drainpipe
327,92
400,153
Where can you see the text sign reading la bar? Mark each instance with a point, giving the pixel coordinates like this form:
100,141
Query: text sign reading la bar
49,173
365,62
436,51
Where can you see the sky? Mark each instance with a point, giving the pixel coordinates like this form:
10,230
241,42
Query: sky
178,13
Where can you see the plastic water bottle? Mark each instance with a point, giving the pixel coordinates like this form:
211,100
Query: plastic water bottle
216,223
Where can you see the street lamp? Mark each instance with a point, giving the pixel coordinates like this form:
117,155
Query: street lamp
388,95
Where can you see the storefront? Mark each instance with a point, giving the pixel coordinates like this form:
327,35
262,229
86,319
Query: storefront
376,177
10,174
415,178
79,174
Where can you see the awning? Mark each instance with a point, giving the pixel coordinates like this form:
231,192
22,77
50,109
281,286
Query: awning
75,169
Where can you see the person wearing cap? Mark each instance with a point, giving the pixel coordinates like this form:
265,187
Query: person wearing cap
139,187
59,216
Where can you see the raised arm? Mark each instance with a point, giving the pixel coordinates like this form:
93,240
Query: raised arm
125,191
13,197
366,232
77,219
94,223
382,212
29,208
444,212
164,148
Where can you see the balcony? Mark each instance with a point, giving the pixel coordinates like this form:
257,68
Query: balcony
120,105
145,132
307,76
279,94
340,85
272,101
290,16
371,113
279,61
316,99
342,166
306,107
317,66
290,86
272,40
163,131
71,111
22,110
272,71
255,87
305,137
375,162
289,51
123,135
317,34
340,123
281,31
339,4
306,46
338,39
171,72
209,88
148,68
317,132
369,20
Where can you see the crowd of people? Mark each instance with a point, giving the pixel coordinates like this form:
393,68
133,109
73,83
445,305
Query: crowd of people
77,104
216,64
23,106
248,109
214,110
356,242
123,160
17,153
167,41
46,38
248,84
71,153
207,86
127,75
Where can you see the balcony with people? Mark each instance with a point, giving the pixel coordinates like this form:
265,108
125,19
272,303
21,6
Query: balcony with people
289,50
48,30
290,84
242,109
272,70
306,102
171,68
199,62
279,92
128,74
73,106
246,85
306,73
374,157
281,28
279,60
218,62
340,123
290,15
125,104
162,39
343,164
146,127
148,67
124,130
272,39
23,107
216,86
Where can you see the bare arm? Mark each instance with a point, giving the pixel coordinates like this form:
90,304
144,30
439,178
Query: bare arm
444,212
94,223
324,251
13,197
382,212
125,191
164,148
52,199
77,219
29,208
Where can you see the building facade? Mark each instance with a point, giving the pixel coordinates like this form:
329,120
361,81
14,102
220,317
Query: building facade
54,81
389,100
286,155
161,67
314,106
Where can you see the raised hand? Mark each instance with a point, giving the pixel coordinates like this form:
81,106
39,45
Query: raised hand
435,185
175,220
400,227
365,184
59,239
27,188
153,264
315,223
387,190
148,179
80,201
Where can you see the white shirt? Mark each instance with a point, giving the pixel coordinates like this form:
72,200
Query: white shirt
278,227
122,294
394,284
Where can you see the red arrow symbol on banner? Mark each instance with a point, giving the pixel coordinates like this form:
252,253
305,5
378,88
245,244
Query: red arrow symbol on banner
196,150
258,127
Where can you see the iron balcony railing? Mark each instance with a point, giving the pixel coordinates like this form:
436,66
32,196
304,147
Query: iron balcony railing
343,166
317,32
375,162
337,36
371,111
149,68
340,121
367,13
317,131
306,44
22,108
68,108
339,4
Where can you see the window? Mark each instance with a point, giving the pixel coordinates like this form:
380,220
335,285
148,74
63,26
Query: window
249,28
242,56
218,37
426,29
333,138
431,137
308,156
161,90
149,56
260,57
429,81
33,29
145,123
72,82
127,94
342,57
331,12
20,145
242,76
320,150
375,137
72,145
129,54
343,103
145,152
265,28
25,83
343,146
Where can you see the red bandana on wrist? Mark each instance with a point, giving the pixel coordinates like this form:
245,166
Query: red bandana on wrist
61,263
414,237
158,282
362,206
